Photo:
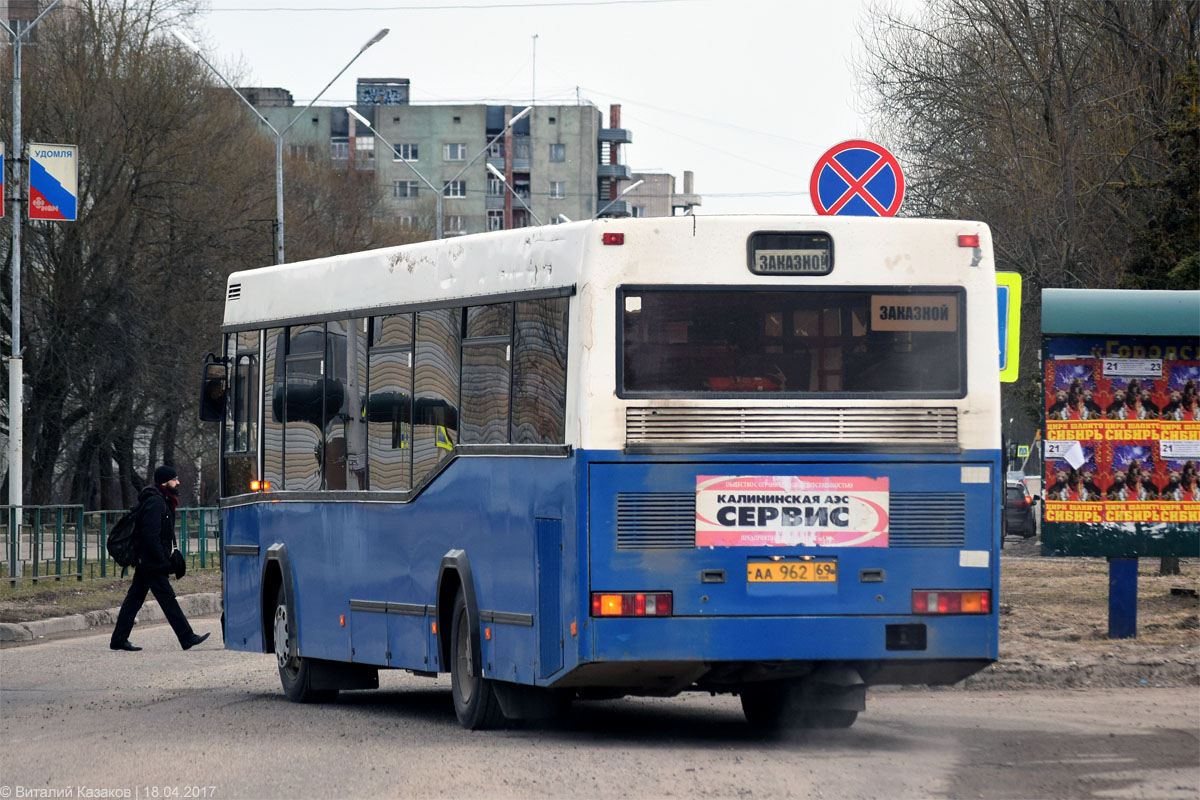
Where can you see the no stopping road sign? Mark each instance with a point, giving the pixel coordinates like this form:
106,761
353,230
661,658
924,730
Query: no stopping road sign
857,178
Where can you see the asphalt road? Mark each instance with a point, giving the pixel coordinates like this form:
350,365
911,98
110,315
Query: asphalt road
77,720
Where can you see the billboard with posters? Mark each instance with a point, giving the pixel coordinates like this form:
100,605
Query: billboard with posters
1122,443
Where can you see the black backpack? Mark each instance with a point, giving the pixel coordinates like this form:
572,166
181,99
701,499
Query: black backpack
122,542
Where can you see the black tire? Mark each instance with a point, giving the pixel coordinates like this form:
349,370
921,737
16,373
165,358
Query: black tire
764,706
295,673
475,702
775,706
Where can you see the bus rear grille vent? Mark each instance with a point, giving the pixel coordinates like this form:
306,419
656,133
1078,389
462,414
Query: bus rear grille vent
656,520
927,519
667,520
704,426
235,291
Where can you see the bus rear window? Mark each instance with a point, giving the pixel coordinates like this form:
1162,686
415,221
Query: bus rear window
735,342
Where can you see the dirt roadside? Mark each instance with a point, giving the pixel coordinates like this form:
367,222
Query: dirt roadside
1053,620
1054,625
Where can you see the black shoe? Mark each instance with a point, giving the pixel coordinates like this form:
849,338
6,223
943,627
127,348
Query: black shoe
125,645
195,640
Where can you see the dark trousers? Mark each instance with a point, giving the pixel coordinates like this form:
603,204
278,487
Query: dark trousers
158,583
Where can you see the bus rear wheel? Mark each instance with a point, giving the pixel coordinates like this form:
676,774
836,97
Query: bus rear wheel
475,702
295,672
776,706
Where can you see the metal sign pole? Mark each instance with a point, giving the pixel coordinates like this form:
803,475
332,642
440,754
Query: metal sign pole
16,374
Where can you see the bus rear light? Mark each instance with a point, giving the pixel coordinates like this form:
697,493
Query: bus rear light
613,238
260,486
631,604
968,240
925,601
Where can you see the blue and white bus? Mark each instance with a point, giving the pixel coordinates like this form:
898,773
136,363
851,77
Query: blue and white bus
749,455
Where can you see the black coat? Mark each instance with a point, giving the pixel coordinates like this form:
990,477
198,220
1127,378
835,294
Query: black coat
155,522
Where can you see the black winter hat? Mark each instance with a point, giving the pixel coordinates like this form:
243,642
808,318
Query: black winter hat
164,474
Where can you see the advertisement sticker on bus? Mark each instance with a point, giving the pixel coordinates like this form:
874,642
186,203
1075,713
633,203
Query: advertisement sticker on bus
791,510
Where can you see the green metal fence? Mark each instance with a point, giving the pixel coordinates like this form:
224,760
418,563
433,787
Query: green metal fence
64,541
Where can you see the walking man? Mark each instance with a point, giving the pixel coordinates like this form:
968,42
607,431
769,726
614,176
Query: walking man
155,527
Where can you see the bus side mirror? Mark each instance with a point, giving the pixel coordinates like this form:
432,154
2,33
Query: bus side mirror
213,386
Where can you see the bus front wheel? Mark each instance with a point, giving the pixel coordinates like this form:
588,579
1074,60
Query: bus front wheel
475,702
295,673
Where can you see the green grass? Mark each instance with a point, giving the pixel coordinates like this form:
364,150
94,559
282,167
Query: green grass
28,600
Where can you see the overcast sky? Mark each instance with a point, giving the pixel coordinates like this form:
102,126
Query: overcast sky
745,93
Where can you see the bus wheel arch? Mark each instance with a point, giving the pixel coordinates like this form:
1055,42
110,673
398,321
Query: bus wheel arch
276,573
454,572
296,673
474,698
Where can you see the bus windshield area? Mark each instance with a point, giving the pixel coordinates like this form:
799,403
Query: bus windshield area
750,342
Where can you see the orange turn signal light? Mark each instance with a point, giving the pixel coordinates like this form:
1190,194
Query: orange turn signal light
260,486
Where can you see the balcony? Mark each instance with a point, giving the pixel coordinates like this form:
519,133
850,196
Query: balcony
619,208
620,172
615,135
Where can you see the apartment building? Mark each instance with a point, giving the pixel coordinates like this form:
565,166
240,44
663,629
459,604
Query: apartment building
553,164
657,197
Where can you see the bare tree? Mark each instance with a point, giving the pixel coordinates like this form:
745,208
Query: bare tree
1048,119
119,307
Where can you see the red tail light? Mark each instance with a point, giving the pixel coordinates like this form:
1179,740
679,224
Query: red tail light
631,604
613,238
968,240
925,601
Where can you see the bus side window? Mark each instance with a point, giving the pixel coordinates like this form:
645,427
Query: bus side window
435,415
272,365
241,413
304,408
387,409
336,385
486,374
539,392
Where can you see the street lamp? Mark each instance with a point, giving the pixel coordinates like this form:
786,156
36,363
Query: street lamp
624,192
279,134
515,118
16,364
500,175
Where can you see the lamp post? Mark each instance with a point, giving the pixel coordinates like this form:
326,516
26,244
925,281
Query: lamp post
515,118
500,175
624,192
16,364
279,134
